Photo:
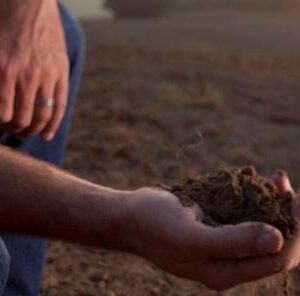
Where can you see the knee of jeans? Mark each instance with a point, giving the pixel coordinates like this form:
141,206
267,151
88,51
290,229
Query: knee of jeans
74,35
4,266
77,37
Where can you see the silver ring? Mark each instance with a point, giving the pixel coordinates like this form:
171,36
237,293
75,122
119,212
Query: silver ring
45,103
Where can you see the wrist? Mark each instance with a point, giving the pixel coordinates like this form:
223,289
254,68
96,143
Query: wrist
118,205
123,226
108,211
132,214
23,10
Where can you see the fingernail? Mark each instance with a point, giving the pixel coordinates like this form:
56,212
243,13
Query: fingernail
269,243
281,173
49,136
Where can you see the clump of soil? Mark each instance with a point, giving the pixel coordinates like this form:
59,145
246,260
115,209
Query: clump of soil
237,195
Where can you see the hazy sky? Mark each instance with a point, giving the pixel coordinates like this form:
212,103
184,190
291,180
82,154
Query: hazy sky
84,8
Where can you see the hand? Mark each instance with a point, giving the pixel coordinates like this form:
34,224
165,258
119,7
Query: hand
174,238
33,68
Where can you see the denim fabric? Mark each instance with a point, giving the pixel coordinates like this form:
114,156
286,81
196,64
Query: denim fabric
4,266
27,254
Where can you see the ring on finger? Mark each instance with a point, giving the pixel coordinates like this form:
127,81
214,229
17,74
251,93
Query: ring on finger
45,102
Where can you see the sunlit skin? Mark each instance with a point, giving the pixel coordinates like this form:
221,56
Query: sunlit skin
33,68
38,199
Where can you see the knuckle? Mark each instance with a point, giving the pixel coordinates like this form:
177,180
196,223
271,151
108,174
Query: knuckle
50,72
32,74
65,64
7,71
67,69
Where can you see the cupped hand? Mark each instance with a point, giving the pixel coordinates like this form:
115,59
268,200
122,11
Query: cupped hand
34,68
175,239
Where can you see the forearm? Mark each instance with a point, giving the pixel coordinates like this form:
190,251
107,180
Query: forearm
38,199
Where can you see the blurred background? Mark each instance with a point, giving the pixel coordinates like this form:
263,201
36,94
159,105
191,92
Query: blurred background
172,89
100,8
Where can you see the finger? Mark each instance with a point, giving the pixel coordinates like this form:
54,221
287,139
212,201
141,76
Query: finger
236,241
43,109
7,97
296,206
243,271
251,269
198,212
61,93
230,272
237,270
282,181
23,106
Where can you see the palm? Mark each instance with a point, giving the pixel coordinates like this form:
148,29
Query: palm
175,239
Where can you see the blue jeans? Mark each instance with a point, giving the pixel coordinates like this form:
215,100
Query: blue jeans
26,253
4,266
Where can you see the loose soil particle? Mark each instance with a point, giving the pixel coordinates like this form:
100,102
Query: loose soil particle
236,195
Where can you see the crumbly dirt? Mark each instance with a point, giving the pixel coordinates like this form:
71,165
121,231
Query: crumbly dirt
236,195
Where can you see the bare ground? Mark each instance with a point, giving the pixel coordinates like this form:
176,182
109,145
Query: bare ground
153,112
